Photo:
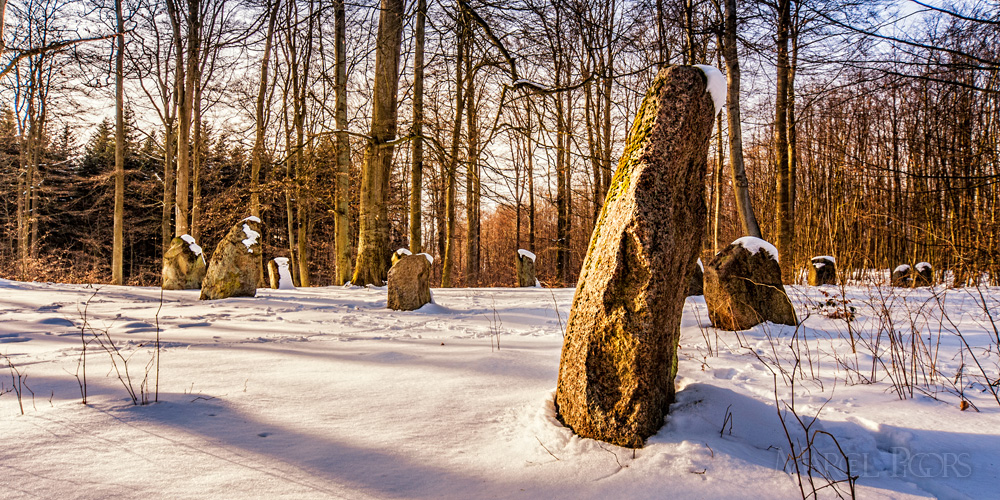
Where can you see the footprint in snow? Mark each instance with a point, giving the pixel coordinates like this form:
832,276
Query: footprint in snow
56,322
10,338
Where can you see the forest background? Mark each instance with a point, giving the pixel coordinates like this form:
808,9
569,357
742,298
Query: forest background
469,129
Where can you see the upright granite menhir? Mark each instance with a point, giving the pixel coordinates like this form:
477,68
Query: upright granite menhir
235,264
619,358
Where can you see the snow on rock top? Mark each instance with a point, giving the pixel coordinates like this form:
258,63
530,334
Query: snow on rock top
525,253
923,265
901,268
716,85
403,251
429,257
251,236
191,244
252,218
824,257
700,265
754,245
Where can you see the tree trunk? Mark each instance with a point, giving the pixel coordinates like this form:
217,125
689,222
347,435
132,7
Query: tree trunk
471,181
169,142
373,234
417,166
289,169
302,173
342,221
784,223
450,172
257,153
531,186
196,157
740,185
119,215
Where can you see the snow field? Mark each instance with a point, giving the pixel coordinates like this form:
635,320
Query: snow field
324,393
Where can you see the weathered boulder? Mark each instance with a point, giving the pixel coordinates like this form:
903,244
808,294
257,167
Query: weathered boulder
619,356
525,267
409,283
901,276
696,285
399,254
924,274
183,264
823,271
278,274
743,286
235,265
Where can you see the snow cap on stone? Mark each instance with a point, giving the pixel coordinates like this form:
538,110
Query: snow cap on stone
191,244
921,266
824,257
429,257
754,245
251,235
901,268
403,251
525,253
716,85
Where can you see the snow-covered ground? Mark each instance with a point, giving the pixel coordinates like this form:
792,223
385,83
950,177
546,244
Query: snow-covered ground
324,393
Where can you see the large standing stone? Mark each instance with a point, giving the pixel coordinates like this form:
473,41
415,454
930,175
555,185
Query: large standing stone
924,275
525,266
823,271
619,357
901,276
409,283
696,284
278,274
743,286
235,264
183,264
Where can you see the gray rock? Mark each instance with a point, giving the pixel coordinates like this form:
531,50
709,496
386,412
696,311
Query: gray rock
743,287
183,264
619,357
901,276
923,274
822,271
525,267
235,264
409,283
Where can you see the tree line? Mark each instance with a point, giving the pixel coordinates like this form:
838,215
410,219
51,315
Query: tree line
469,129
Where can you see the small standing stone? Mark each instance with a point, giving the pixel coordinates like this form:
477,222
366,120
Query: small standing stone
183,264
696,286
619,357
525,266
924,275
235,264
823,271
901,276
279,276
743,287
409,283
